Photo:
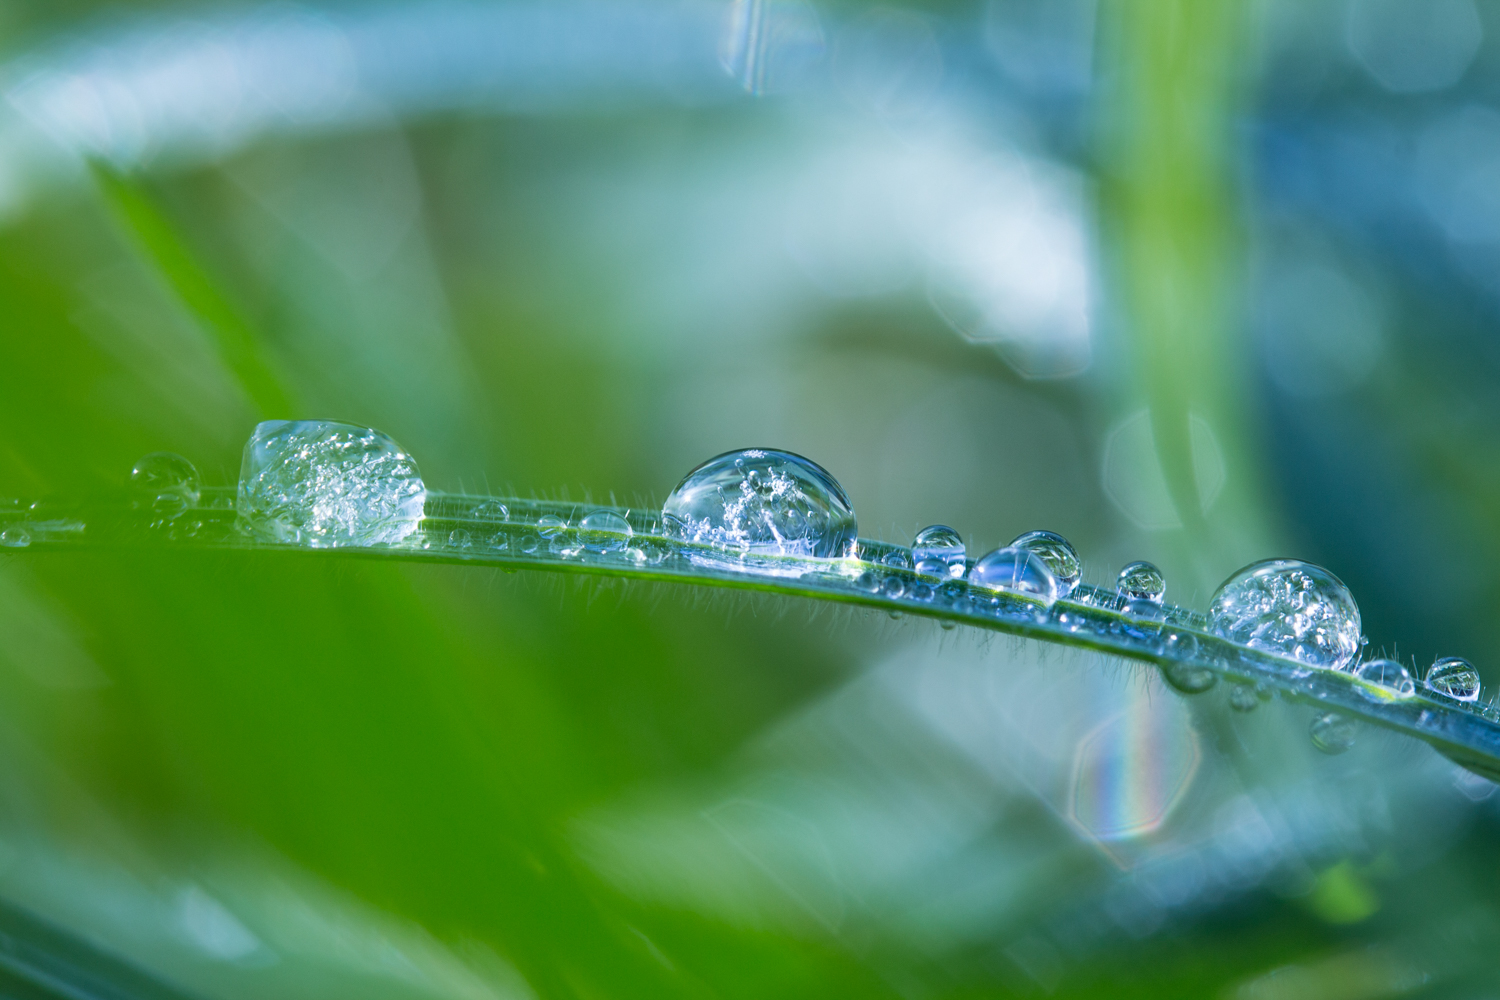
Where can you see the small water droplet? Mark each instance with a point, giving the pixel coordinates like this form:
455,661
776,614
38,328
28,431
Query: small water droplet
15,538
163,473
1455,677
897,559
1142,581
1292,608
169,506
491,510
939,551
322,483
530,544
1189,677
762,502
920,592
947,626
896,615
893,587
604,531
1388,674
460,539
868,581
550,526
1242,698
1179,645
1057,552
1017,571
1333,733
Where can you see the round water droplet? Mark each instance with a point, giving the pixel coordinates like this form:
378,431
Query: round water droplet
491,510
460,539
1016,571
321,483
1333,733
869,581
1242,698
1179,645
1455,677
892,587
15,538
1142,581
1387,674
1057,552
762,502
1189,677
947,626
164,473
169,506
897,559
1289,607
603,531
939,551
550,526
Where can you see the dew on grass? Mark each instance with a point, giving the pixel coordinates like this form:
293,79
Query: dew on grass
1333,733
324,484
15,538
603,531
1142,581
1389,675
939,551
762,502
491,510
1292,608
1017,571
1242,698
164,472
1454,677
1189,677
1058,553
550,526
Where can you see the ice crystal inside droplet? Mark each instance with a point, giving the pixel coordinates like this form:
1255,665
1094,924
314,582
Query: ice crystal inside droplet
762,502
1141,581
324,484
1388,674
603,531
1333,733
1018,571
939,551
167,480
1455,677
1289,607
1058,553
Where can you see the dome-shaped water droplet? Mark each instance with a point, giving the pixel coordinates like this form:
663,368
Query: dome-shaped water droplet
1057,552
764,503
1142,581
550,526
939,551
1333,733
321,483
1242,698
897,559
1289,607
1455,677
1189,677
1388,674
1017,571
491,510
603,531
163,473
15,537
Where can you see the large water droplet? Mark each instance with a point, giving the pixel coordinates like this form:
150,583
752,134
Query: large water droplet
1289,607
1142,581
603,531
1017,571
321,483
1455,677
1333,733
1058,553
1388,674
939,551
762,502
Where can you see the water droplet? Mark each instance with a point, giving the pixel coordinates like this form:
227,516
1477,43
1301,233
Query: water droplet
1455,677
1189,677
897,559
920,592
1242,698
1179,645
868,581
1057,552
947,626
896,615
491,510
550,526
939,551
321,483
1289,607
1333,733
169,506
460,539
163,473
764,503
1388,674
15,538
603,531
892,587
1142,581
1017,571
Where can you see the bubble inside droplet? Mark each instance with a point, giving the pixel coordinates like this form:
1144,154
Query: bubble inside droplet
762,502
1333,733
603,531
15,538
163,473
1016,571
1142,581
1389,675
1242,698
1454,677
1058,553
939,551
1292,608
322,483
